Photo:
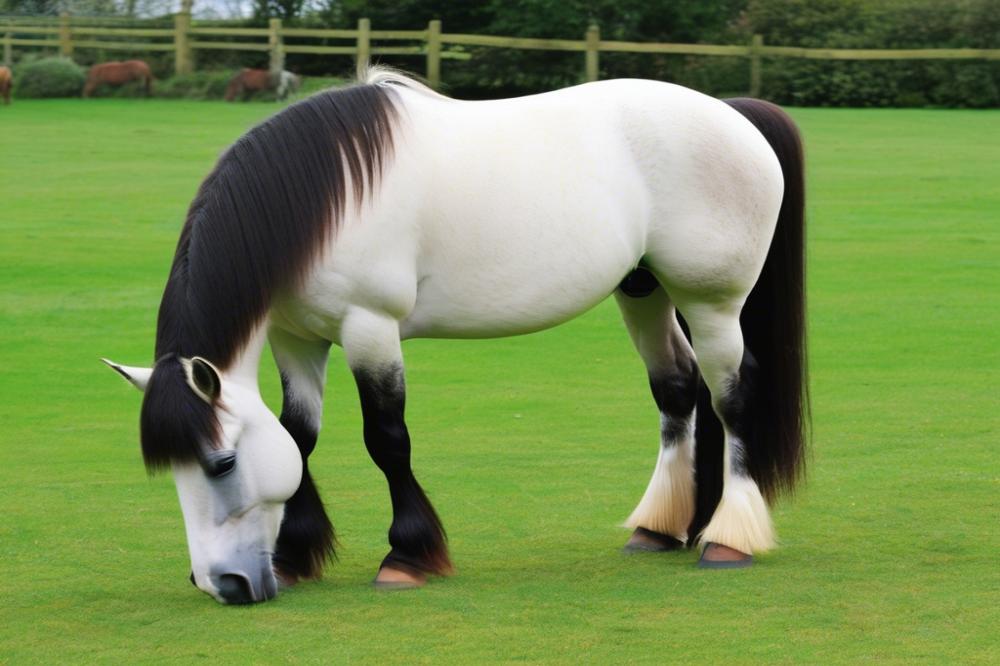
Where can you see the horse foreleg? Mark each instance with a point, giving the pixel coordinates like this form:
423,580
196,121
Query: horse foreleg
372,346
661,518
306,539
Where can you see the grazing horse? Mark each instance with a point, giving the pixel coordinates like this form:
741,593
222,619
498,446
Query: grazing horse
385,211
6,82
248,81
117,74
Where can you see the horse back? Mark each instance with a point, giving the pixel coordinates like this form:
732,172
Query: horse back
117,73
505,217
137,66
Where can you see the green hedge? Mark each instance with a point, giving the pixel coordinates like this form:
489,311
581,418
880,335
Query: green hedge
49,77
874,24
880,24
211,85
198,85
491,72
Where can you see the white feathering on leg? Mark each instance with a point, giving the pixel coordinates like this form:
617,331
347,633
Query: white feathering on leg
741,520
668,503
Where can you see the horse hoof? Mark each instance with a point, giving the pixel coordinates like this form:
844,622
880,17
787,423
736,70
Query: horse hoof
717,556
648,541
389,578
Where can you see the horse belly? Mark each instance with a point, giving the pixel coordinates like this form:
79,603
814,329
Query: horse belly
537,233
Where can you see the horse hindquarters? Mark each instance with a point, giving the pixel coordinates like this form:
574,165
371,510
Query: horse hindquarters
751,361
765,407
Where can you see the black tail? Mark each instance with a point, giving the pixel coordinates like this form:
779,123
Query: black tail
773,322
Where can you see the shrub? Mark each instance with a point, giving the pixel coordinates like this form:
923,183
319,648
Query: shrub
875,24
50,77
211,85
197,85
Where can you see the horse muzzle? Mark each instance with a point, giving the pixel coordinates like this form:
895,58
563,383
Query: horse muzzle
240,585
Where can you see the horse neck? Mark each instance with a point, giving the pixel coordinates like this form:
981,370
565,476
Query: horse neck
246,364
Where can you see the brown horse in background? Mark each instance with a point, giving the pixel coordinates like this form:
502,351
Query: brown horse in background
248,81
6,81
118,73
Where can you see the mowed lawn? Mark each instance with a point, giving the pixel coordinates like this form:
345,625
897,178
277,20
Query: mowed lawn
533,449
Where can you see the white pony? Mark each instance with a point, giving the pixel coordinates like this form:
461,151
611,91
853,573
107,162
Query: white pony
385,211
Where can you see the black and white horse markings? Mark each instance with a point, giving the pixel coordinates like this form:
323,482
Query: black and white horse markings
385,211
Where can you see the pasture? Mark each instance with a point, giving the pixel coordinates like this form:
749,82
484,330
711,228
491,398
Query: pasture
533,449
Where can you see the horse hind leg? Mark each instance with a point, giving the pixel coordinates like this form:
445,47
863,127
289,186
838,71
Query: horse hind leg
740,525
661,519
418,544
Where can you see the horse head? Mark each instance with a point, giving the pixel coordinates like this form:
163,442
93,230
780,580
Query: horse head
234,466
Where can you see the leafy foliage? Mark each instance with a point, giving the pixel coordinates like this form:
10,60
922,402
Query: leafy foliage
494,72
499,72
49,77
197,85
899,24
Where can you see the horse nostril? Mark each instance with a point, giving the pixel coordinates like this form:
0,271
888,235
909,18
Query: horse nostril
234,588
191,578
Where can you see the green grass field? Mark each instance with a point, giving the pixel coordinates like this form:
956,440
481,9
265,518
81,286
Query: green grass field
533,449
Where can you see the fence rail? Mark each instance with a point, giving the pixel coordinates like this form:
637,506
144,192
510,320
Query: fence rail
184,39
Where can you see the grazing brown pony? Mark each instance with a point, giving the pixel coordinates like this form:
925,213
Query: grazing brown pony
118,73
6,81
249,81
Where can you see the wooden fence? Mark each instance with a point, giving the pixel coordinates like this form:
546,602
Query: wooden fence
185,38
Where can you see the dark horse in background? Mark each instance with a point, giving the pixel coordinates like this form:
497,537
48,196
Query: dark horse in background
248,81
6,83
117,74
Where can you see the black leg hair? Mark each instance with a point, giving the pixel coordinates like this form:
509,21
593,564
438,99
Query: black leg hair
306,540
416,536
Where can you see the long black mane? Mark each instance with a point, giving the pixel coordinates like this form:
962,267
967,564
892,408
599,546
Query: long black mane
257,224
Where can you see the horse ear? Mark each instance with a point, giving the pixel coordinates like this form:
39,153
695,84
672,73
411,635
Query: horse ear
203,378
138,377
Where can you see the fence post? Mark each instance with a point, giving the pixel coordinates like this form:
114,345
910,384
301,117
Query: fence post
65,36
364,44
8,48
593,39
182,47
755,46
277,46
434,54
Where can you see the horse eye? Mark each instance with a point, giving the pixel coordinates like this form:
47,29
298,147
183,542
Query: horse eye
219,463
